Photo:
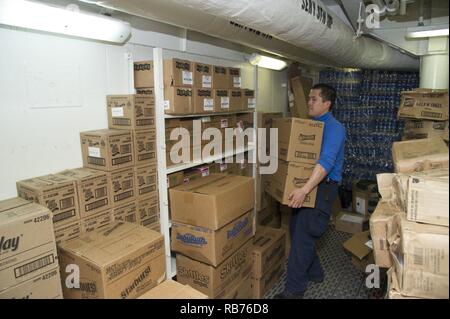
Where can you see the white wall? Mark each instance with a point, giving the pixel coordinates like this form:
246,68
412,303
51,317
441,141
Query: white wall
52,87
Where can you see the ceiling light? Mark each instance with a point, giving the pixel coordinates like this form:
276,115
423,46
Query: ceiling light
267,62
38,16
427,32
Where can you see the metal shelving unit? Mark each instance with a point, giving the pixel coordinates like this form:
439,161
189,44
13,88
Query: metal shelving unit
163,170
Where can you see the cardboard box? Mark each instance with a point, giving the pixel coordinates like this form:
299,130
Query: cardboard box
383,216
146,91
420,129
145,180
121,261
270,216
359,246
175,179
27,242
236,100
122,186
209,246
299,140
126,213
94,194
424,104
202,75
97,221
148,208
151,223
221,100
212,201
178,100
245,120
220,77
215,281
300,87
170,289
131,112
242,290
420,255
262,285
144,147
178,72
393,286
44,286
143,74
67,232
286,214
58,193
361,264
203,101
107,150
269,245
234,78
350,223
419,155
248,99
364,197
289,176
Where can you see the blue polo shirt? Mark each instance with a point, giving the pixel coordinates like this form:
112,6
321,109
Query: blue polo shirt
332,152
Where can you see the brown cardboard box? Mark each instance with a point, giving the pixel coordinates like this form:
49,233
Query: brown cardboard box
248,99
58,193
361,264
212,201
419,129
122,261
236,100
178,72
350,223
358,245
145,91
269,245
221,100
191,175
178,100
203,101
289,176
262,198
148,208
299,140
27,242
67,232
126,213
286,214
131,112
245,120
393,289
97,221
122,186
220,77
262,285
216,281
144,147
234,78
175,179
44,286
242,290
364,197
427,200
269,216
420,255
170,289
151,223
209,246
107,150
202,75
424,104
143,74
145,180
301,87
94,194
383,216
419,155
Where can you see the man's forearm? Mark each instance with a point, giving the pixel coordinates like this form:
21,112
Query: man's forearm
318,174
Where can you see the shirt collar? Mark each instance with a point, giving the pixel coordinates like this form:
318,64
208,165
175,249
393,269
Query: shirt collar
323,117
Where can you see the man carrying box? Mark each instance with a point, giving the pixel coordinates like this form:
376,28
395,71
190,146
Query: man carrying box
308,224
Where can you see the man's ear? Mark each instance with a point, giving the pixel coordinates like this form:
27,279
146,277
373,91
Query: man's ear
327,104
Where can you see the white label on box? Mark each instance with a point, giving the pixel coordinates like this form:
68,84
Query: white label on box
166,104
251,103
206,119
206,81
223,123
117,111
237,81
208,105
94,152
223,166
360,205
187,78
224,102
204,171
352,219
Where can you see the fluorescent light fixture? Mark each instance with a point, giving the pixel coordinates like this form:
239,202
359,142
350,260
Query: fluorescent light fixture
427,32
266,62
42,17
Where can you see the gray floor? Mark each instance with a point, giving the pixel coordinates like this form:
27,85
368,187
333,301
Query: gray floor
342,279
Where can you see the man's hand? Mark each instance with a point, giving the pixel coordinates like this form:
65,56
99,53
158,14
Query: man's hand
297,197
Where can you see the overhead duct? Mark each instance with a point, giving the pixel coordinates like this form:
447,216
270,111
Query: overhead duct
301,30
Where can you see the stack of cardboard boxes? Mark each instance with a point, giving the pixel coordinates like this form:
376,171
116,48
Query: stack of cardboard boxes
212,227
29,266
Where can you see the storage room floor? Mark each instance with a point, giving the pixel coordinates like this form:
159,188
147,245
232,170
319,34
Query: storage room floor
342,279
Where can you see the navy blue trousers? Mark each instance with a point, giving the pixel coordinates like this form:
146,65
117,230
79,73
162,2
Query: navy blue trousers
306,227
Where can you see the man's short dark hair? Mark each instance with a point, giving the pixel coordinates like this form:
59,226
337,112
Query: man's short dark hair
327,92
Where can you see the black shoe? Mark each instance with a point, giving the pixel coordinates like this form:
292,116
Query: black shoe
317,280
287,295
